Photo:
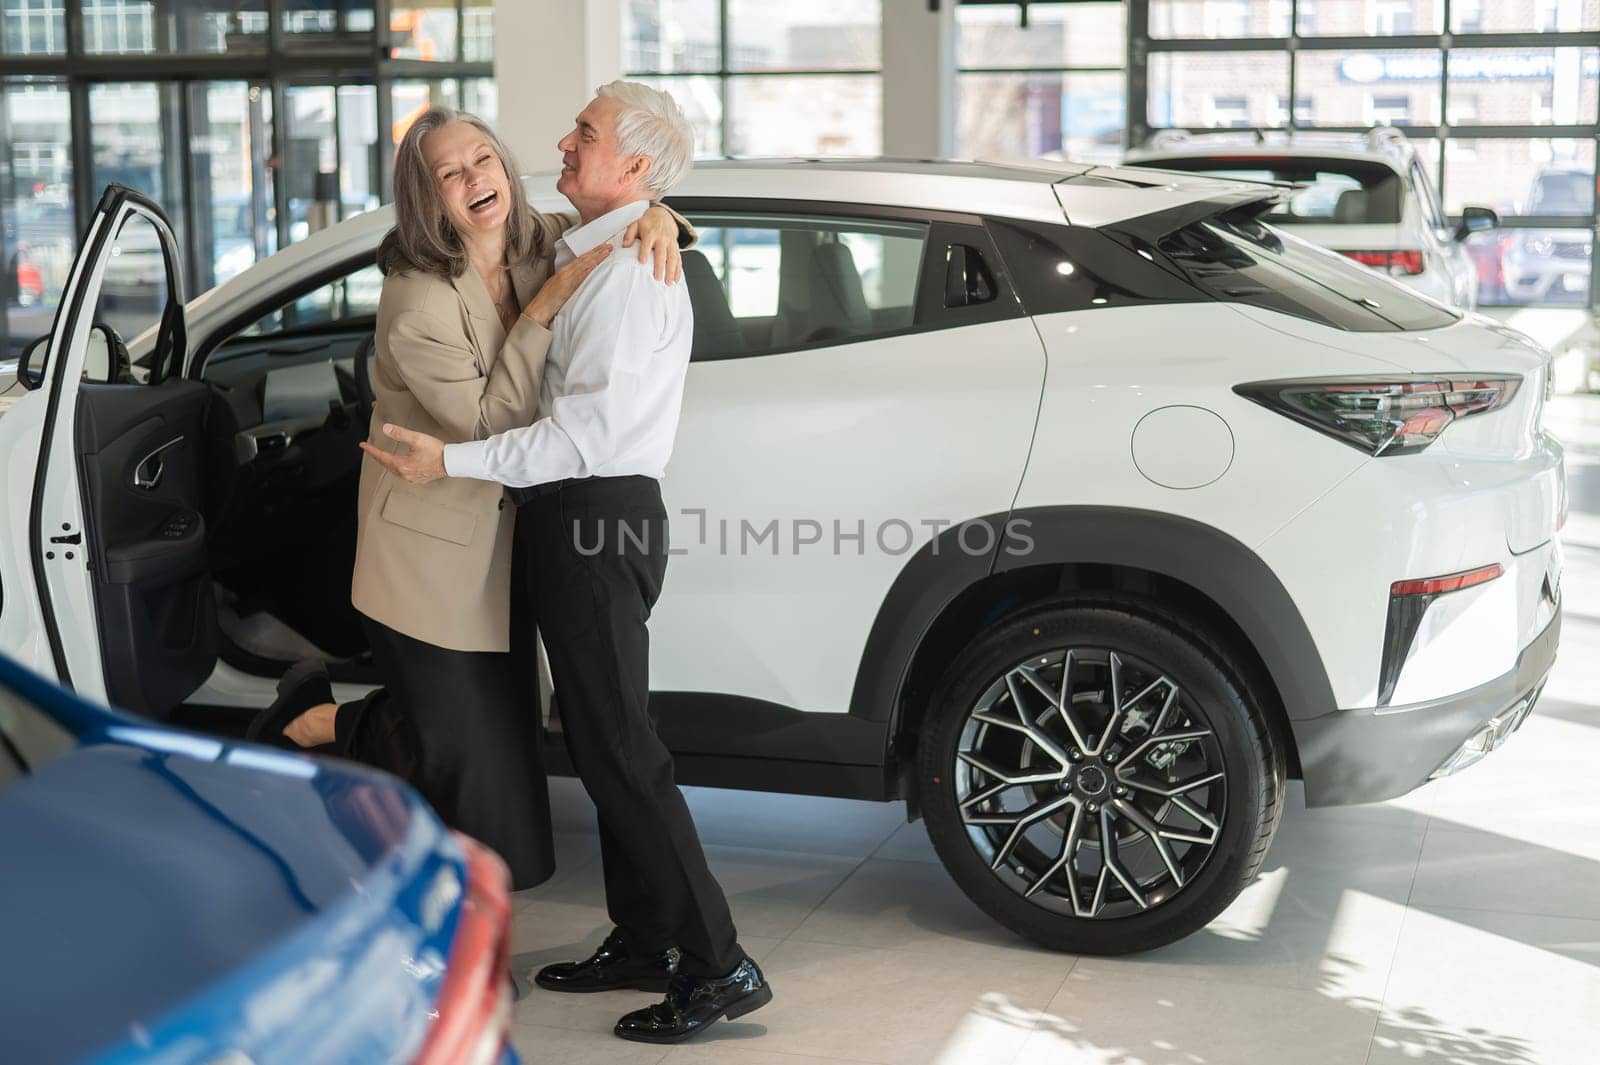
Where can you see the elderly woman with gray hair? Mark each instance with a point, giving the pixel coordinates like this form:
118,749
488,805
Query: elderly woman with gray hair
462,334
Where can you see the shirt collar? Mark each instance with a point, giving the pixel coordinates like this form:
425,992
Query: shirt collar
591,235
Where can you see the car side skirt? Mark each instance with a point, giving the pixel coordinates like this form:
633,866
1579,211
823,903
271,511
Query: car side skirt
727,741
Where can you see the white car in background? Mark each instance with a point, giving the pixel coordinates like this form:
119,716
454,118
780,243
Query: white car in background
1366,197
1074,509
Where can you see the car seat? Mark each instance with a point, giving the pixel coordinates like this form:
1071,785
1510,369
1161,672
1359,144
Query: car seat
716,330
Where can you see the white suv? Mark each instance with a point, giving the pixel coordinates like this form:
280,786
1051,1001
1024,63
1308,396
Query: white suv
1367,197
1075,507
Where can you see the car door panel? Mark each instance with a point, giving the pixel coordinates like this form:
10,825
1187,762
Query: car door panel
803,481
140,451
117,531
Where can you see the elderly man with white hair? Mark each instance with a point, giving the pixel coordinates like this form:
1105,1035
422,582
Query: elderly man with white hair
593,531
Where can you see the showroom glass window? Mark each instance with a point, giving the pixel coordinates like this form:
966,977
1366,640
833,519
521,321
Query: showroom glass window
1508,124
279,117
36,206
1051,85
759,78
33,27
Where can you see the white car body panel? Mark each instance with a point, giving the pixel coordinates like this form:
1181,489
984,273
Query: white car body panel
1102,205
869,435
66,574
22,631
1487,478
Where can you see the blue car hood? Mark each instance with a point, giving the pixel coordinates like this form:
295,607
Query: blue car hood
139,876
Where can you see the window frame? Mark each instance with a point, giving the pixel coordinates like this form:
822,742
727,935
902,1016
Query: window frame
929,314
341,57
1121,66
1441,136
725,73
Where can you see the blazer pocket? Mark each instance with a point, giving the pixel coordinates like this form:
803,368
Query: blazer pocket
429,519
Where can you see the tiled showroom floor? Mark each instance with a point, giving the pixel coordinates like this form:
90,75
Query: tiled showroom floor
1457,926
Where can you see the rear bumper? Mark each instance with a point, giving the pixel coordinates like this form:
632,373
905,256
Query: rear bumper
1357,756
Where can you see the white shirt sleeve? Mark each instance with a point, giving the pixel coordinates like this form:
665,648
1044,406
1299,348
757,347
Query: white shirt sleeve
616,322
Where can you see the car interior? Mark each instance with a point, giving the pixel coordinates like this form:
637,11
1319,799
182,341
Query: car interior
287,412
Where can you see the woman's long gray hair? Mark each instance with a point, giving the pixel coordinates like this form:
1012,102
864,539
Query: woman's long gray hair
423,240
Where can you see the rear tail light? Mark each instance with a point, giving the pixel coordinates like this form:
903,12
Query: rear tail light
1383,416
474,1007
1396,263
1453,582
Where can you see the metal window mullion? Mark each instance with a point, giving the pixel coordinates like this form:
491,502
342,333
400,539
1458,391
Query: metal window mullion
1040,70
382,14
461,36
280,148
723,77
1136,122
801,72
183,164
74,27
1444,93
338,158
166,16
260,141
1293,48
385,118
1219,44
274,28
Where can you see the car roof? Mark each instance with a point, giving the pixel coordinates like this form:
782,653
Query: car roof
1154,156
1037,190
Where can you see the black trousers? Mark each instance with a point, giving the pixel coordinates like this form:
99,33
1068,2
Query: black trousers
462,727
596,553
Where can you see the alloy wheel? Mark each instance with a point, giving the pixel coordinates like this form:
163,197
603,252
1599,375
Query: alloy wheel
1090,783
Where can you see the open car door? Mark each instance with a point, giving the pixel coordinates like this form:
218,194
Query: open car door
118,539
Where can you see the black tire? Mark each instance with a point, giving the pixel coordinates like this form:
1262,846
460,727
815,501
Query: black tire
1211,694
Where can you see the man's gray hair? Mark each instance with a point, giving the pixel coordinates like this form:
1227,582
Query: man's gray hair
651,123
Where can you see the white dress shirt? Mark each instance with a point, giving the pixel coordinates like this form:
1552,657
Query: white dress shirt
613,381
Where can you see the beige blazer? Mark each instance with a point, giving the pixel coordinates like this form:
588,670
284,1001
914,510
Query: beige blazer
434,561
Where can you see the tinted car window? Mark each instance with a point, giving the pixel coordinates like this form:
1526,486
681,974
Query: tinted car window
1241,260
762,284
1076,268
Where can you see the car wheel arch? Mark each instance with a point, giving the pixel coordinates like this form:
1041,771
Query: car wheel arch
944,595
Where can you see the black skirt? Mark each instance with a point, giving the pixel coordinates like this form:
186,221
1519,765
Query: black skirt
462,727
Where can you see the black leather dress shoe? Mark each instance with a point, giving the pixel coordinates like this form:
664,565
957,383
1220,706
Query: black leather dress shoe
611,968
695,1003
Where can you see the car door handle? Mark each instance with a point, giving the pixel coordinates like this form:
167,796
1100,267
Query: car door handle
147,475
